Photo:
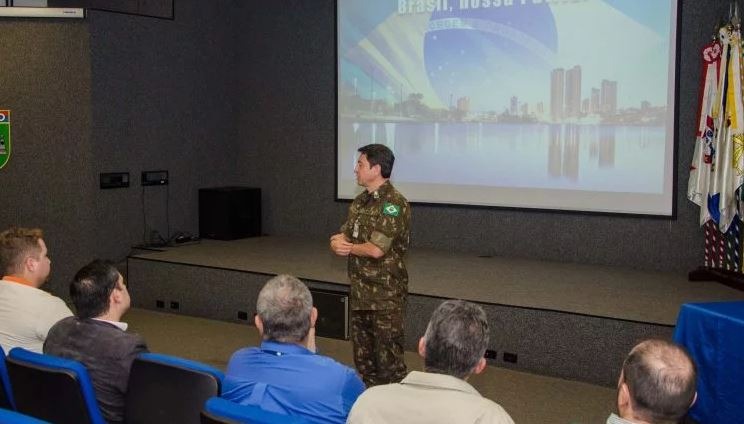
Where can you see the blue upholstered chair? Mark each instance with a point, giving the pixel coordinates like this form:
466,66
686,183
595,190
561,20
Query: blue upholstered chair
169,389
221,411
52,388
12,417
6,396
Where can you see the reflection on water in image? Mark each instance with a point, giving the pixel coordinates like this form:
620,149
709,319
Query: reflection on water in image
612,158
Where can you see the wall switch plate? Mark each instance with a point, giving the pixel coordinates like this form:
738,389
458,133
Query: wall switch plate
510,357
150,178
114,180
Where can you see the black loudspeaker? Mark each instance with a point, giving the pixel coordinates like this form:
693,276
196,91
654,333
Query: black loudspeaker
333,315
229,213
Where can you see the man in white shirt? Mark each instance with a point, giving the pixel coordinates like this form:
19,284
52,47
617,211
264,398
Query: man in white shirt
26,311
453,348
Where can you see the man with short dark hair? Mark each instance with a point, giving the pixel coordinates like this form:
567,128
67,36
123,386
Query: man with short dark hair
375,239
96,337
656,385
284,374
26,311
452,347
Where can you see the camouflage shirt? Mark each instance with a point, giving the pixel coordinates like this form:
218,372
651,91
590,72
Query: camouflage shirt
382,218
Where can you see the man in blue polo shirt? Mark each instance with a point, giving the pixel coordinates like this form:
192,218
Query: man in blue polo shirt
284,374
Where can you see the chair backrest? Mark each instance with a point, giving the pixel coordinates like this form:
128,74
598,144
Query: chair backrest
6,396
164,388
12,417
222,411
52,388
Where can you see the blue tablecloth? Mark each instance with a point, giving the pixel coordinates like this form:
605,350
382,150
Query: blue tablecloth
713,333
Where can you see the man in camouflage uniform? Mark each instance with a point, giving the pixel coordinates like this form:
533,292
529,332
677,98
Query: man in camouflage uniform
375,238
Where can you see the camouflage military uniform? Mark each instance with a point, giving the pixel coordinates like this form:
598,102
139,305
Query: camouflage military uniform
379,286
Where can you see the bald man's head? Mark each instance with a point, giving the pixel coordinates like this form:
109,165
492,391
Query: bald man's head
660,379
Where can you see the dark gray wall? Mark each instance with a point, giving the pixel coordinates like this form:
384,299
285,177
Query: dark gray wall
163,98
45,81
287,126
110,93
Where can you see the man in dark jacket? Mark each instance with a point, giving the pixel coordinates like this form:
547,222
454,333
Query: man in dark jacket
96,337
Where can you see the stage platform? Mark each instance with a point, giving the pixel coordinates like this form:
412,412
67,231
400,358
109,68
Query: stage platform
566,320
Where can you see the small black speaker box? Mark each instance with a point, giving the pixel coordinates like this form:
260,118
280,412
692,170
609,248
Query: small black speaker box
229,213
333,321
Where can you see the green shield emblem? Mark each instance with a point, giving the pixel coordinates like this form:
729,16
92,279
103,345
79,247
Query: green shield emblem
4,137
390,209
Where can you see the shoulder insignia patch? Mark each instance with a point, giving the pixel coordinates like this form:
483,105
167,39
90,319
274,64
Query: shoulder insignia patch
390,209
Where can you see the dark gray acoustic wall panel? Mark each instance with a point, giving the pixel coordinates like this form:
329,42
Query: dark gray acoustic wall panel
162,99
223,294
49,180
558,344
287,105
201,292
110,93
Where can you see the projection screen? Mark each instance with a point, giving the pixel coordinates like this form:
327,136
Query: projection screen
547,104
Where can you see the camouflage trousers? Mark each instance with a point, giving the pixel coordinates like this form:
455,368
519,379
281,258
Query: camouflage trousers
377,339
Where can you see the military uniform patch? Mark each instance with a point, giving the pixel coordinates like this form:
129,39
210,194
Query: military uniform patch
391,209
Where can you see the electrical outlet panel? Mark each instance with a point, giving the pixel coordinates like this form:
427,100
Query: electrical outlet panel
150,178
114,180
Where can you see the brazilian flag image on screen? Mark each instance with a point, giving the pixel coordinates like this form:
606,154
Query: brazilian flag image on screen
4,137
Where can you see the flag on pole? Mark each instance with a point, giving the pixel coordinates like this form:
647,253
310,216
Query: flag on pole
732,172
718,192
702,159
716,181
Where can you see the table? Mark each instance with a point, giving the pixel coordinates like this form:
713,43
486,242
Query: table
713,333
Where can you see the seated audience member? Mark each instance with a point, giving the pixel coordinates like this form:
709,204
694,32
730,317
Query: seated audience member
26,311
96,337
284,374
657,384
453,348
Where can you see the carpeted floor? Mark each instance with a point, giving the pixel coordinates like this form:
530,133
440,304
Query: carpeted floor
529,398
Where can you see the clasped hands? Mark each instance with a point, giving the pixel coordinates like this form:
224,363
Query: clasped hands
341,245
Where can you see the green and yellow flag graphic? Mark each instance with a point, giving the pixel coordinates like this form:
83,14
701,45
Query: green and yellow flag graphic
390,209
4,137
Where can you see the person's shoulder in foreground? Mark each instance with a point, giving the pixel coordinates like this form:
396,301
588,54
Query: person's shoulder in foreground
427,398
280,364
453,346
